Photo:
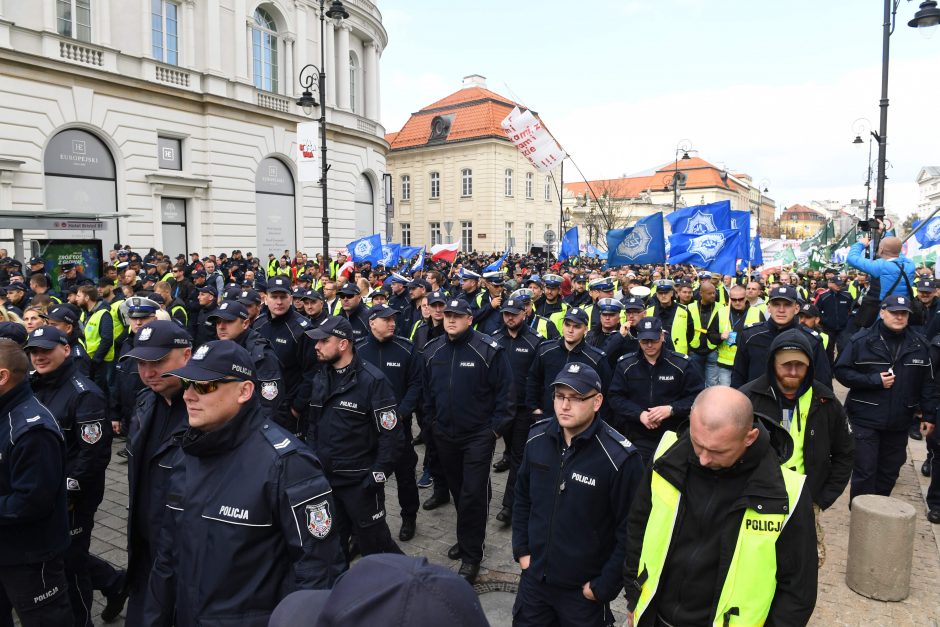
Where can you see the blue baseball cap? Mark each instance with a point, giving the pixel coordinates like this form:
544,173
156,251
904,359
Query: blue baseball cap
579,377
895,302
578,315
46,337
156,339
215,361
649,329
513,306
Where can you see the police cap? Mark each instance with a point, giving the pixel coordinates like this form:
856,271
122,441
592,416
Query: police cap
579,377
577,315
229,310
216,361
649,329
336,326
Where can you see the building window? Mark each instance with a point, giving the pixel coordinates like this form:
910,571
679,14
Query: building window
529,184
548,188
168,153
73,19
264,51
435,232
466,182
353,70
508,235
528,235
466,236
405,187
435,185
406,234
164,31
508,182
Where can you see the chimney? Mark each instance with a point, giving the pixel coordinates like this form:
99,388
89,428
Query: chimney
474,80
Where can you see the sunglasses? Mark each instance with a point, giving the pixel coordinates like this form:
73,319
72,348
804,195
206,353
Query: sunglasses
205,387
347,296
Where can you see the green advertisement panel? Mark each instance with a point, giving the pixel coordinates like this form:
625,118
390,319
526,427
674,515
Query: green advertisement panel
85,252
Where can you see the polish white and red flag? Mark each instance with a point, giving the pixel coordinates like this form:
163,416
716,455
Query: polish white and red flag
447,252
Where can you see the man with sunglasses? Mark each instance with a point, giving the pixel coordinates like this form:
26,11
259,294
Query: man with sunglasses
652,390
355,430
354,310
728,325
253,490
572,563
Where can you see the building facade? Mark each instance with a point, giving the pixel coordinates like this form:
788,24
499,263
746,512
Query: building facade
597,206
457,178
179,118
928,184
801,222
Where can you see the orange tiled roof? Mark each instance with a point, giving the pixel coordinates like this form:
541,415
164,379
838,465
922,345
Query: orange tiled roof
701,174
802,212
477,113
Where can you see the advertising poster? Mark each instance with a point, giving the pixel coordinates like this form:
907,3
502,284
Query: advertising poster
85,252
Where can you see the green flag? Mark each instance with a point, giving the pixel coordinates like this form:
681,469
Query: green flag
786,256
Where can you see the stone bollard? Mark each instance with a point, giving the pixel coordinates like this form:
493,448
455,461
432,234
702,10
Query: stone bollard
881,548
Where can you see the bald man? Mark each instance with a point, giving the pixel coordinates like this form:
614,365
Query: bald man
894,271
719,488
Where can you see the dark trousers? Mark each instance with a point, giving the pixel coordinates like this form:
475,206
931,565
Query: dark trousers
81,589
138,579
362,512
879,456
518,435
38,592
644,445
432,461
539,604
466,461
405,476
933,456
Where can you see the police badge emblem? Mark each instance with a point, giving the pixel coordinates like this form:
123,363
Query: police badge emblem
319,521
144,334
91,432
700,223
269,390
388,419
707,246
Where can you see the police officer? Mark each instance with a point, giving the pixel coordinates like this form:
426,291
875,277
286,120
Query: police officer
138,311
520,342
752,356
70,278
80,408
703,344
610,310
251,299
728,325
33,510
551,356
396,358
835,308
823,446
355,430
232,323
470,291
719,531
255,490
284,329
624,341
553,306
570,575
579,296
411,315
65,318
674,316
651,390
313,307
544,327
354,310
398,285
99,334
488,318
201,328
158,414
888,372
810,318
468,397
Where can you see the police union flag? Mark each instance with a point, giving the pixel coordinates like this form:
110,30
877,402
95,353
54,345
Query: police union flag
701,219
716,252
643,243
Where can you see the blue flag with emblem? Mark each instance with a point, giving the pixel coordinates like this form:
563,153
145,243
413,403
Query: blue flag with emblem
716,252
756,254
929,234
419,262
496,265
367,248
642,243
390,254
741,221
407,253
701,219
569,245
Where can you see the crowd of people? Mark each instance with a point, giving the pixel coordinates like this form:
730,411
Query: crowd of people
668,433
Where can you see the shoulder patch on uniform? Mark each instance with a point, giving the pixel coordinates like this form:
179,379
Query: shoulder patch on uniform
304,323
278,438
494,344
753,324
811,331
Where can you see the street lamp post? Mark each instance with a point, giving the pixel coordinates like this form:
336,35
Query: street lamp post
678,178
308,103
927,16
762,189
863,126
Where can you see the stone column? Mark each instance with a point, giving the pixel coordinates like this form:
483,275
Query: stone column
378,85
370,79
342,67
101,23
213,37
301,57
289,79
243,23
188,53
330,64
146,49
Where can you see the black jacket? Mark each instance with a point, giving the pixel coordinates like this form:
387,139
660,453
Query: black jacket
467,385
400,364
521,352
34,524
287,337
697,576
124,389
750,360
201,327
570,510
550,358
636,385
268,377
835,309
80,408
859,368
353,424
249,519
828,446
359,320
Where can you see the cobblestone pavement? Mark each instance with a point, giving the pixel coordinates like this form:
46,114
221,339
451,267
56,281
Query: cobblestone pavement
836,605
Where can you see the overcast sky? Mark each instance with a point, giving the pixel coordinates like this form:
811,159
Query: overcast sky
770,88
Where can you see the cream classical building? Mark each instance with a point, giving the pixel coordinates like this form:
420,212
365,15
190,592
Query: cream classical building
172,123
458,178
